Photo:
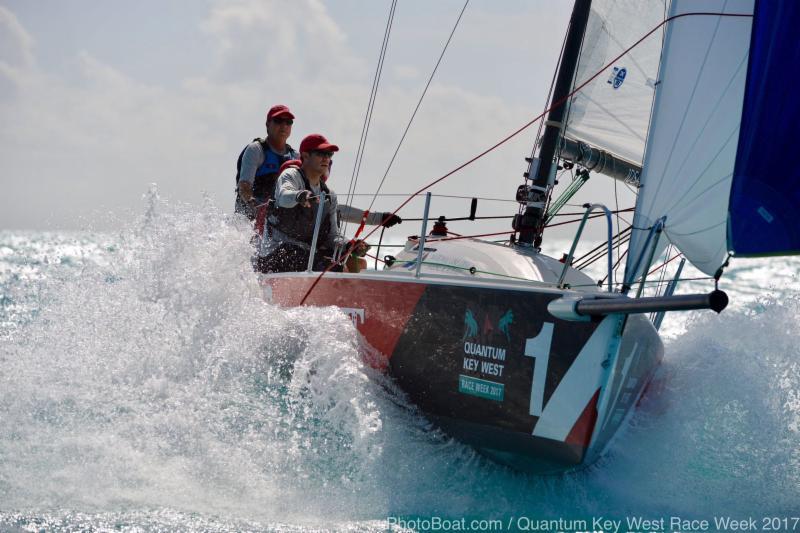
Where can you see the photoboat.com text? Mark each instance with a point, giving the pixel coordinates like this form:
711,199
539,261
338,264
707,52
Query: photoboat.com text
598,524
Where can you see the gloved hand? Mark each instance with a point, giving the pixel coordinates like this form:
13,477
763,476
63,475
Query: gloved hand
304,198
390,220
358,248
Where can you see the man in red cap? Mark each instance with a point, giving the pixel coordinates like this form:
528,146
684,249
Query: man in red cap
293,218
260,162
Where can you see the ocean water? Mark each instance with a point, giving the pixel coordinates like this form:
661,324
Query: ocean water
146,386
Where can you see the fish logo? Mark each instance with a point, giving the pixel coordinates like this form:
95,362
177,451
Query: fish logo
488,330
505,321
470,326
617,77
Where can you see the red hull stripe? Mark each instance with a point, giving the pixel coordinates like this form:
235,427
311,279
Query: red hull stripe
581,432
387,305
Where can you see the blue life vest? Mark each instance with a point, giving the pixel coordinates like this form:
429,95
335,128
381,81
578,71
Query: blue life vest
267,173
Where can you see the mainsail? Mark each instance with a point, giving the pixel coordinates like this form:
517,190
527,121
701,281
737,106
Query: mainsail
693,139
612,112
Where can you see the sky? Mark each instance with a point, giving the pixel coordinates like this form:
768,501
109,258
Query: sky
101,99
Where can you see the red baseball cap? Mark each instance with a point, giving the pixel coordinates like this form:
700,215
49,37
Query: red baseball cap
279,111
315,141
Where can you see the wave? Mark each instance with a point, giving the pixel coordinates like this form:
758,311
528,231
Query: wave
148,376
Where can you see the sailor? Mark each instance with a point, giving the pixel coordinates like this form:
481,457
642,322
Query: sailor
260,164
292,219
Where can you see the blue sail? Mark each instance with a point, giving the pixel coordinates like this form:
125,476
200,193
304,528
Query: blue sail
764,209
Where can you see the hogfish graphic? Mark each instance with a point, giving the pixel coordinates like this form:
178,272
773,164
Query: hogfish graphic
470,326
505,322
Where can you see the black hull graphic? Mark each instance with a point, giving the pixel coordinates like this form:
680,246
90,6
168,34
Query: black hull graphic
493,368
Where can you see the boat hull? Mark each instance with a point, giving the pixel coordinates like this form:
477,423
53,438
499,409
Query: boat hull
489,365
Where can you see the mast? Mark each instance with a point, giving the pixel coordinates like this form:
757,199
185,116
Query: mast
531,223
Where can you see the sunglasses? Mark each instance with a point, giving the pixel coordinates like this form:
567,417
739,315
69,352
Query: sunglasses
321,153
286,121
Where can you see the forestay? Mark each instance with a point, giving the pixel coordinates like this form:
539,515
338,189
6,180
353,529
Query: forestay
691,150
612,112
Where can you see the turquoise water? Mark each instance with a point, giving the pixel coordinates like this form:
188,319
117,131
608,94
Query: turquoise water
146,386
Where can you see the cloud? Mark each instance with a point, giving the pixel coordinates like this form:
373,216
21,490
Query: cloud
276,42
16,44
98,138
16,53
405,72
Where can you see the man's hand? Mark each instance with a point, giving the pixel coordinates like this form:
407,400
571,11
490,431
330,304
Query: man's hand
304,198
389,220
358,248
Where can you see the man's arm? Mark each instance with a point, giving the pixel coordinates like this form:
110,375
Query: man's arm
289,183
252,158
245,191
354,214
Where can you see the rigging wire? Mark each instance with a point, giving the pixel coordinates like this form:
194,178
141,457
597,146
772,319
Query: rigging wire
600,251
614,268
461,197
581,213
665,263
447,219
370,105
380,240
590,217
473,270
419,103
600,255
663,268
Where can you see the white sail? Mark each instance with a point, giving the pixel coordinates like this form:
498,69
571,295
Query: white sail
612,112
694,133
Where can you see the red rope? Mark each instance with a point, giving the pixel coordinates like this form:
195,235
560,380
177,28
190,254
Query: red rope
665,263
554,105
363,223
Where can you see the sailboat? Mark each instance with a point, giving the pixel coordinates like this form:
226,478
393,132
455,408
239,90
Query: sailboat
527,358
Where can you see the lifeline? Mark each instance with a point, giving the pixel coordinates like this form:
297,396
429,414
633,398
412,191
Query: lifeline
488,352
